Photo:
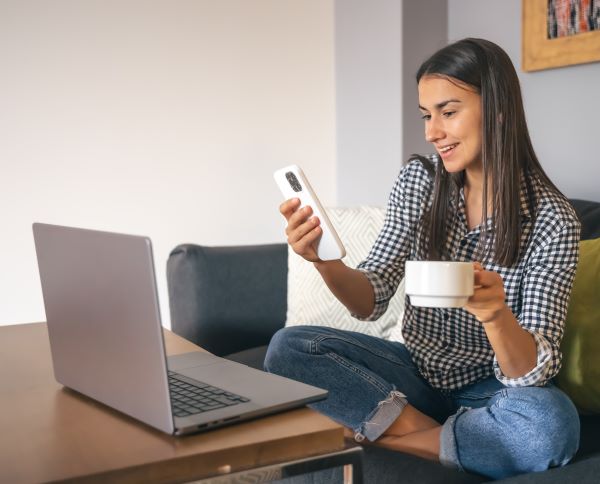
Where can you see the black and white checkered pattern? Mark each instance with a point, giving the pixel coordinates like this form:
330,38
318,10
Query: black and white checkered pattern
450,346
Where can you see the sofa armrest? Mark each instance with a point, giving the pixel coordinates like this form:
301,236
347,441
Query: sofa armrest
227,299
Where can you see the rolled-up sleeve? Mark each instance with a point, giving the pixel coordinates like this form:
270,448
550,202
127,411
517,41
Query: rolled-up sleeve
384,266
545,291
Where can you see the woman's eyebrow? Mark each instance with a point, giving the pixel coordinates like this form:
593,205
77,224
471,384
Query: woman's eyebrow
441,104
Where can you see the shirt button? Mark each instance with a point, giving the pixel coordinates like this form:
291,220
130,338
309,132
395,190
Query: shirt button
463,242
446,316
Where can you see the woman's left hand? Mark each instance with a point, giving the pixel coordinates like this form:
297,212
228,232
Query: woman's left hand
487,302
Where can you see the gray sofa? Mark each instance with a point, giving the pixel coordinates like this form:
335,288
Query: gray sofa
231,300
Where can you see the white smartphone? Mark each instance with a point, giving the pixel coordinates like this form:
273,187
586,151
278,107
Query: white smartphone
293,184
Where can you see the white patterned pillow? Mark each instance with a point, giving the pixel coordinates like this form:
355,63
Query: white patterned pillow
311,302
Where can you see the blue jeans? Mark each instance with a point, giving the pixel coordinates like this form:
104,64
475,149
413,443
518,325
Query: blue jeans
487,428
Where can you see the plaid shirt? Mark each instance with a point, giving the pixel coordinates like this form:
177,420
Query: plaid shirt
450,346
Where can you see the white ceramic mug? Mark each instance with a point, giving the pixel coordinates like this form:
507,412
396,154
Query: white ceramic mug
439,284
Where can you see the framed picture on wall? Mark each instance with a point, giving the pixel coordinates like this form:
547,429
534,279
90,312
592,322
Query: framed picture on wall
559,33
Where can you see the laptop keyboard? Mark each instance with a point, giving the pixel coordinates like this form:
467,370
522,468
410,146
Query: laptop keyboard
189,397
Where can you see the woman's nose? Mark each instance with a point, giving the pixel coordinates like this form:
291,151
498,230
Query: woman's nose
433,131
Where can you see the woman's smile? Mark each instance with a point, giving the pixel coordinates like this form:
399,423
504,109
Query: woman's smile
447,151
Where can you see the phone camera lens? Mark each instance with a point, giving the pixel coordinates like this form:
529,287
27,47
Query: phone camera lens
293,181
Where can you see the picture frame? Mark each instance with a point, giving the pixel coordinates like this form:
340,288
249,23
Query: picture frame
539,52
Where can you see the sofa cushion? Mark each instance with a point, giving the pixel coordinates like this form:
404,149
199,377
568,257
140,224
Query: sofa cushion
589,443
580,373
309,300
584,471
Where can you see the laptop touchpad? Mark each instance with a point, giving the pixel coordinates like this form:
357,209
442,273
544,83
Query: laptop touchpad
188,360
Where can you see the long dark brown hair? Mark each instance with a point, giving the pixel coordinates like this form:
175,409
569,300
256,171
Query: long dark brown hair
507,152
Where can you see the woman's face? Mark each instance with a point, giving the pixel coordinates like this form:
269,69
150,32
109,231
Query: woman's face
452,114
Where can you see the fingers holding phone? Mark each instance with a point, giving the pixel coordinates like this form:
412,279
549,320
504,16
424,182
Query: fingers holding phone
303,229
310,232
288,207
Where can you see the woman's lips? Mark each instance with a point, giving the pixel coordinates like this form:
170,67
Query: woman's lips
447,151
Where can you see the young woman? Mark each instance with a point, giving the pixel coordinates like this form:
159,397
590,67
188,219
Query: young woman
470,387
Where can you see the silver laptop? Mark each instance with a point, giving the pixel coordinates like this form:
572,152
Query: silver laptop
107,342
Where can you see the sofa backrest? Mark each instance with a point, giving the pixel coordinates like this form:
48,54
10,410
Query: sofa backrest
227,299
589,213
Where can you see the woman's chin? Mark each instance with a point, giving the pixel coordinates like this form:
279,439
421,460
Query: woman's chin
453,166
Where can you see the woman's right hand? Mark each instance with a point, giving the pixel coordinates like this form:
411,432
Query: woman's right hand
350,286
303,230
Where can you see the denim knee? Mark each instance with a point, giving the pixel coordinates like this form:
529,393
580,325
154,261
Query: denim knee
285,349
551,419
294,346
276,350
521,430
554,423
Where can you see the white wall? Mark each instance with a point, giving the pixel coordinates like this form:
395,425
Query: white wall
379,45
163,118
368,62
561,104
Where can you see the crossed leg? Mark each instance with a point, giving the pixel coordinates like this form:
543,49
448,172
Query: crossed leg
412,432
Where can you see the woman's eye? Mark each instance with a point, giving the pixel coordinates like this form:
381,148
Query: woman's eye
447,114
426,117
